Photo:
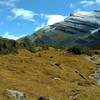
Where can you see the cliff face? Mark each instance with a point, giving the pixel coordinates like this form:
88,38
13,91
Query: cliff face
75,29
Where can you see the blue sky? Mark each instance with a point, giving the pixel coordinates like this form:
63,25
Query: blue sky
23,17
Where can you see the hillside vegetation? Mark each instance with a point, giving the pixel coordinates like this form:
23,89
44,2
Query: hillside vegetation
8,46
50,72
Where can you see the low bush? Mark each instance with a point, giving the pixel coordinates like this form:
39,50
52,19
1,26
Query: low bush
80,50
8,46
31,49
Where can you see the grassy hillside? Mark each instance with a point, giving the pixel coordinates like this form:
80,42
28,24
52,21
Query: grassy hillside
48,73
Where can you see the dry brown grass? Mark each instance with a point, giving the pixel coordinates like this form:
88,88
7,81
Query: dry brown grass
40,75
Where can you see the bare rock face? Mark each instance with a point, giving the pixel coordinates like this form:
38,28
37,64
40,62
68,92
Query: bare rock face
89,23
75,29
96,76
15,95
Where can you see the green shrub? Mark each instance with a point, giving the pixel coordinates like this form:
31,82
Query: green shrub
8,46
31,49
80,50
75,50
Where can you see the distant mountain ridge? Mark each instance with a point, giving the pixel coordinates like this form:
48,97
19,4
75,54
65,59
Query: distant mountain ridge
77,29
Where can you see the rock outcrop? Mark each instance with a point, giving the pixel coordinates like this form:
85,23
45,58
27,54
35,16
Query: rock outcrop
15,95
96,76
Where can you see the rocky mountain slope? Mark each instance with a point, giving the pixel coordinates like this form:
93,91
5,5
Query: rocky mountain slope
77,29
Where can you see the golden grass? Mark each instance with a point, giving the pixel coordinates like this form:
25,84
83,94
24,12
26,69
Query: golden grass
36,76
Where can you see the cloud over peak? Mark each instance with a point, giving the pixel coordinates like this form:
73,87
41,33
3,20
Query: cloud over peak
54,19
79,12
87,3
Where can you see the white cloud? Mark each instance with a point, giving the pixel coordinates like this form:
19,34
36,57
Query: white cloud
79,12
7,3
52,19
87,3
24,14
39,27
97,1
10,36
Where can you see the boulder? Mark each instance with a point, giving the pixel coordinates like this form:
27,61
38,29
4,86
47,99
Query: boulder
96,76
15,95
